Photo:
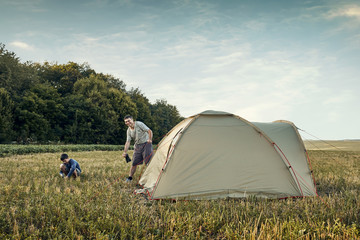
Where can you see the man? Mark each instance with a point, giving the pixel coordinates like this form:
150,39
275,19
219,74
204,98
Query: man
69,167
142,136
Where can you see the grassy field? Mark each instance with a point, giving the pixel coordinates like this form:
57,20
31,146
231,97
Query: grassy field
36,203
14,149
350,145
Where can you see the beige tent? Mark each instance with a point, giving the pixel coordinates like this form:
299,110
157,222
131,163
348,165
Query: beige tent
217,155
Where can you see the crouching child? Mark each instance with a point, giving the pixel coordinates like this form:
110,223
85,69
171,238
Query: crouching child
69,167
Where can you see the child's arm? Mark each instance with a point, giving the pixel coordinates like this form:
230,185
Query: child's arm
72,167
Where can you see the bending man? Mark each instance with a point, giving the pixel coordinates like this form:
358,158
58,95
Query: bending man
142,136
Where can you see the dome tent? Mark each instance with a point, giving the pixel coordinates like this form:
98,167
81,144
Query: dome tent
217,155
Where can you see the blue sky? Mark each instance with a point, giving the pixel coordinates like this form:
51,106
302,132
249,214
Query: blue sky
262,60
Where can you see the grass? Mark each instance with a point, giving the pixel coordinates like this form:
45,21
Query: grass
36,203
14,149
333,145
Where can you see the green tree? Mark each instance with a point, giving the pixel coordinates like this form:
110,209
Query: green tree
6,116
63,76
78,125
40,114
72,103
112,81
165,115
143,107
94,112
7,59
15,77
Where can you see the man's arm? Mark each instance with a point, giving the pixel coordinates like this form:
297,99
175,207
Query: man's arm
126,148
150,135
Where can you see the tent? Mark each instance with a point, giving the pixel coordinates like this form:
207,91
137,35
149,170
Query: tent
217,155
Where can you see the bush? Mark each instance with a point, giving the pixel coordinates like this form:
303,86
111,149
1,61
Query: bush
8,149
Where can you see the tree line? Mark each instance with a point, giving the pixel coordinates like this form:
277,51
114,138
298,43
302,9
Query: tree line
72,103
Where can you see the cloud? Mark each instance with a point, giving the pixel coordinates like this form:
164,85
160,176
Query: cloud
26,6
21,45
352,11
196,73
345,24
258,89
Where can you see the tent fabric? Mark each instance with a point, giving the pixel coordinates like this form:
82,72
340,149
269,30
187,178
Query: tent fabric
217,155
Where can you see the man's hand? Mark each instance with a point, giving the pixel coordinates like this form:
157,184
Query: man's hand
124,154
66,177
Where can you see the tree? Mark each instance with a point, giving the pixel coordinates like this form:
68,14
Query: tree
165,115
72,103
113,82
143,107
95,116
63,76
40,114
6,116
15,77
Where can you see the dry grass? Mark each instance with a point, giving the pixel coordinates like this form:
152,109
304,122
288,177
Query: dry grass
36,203
353,145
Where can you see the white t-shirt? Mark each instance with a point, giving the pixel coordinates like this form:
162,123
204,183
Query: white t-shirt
139,134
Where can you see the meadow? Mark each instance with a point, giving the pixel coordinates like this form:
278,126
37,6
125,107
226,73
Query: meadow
37,204
16,149
333,145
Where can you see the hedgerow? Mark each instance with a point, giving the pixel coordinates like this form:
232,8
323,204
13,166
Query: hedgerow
9,149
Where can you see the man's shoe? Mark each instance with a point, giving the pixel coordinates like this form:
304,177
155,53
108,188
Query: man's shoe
128,180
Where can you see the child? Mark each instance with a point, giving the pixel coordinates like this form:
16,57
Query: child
69,167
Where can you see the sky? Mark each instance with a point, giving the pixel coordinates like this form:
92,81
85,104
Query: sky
261,60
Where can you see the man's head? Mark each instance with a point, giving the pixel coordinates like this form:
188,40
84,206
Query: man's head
129,121
64,158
